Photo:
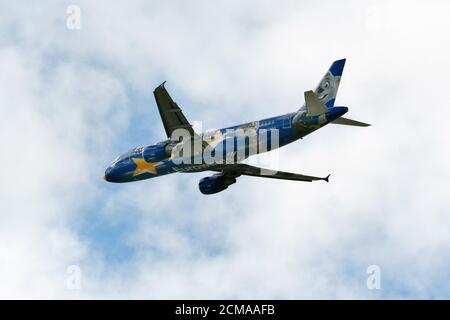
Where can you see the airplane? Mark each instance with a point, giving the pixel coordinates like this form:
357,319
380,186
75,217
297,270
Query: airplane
222,151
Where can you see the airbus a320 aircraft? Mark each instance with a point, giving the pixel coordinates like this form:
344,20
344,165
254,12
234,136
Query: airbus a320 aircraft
223,150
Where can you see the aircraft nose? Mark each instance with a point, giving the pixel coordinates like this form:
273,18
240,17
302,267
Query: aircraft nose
108,175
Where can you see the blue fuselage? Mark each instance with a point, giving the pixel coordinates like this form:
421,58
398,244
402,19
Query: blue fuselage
154,160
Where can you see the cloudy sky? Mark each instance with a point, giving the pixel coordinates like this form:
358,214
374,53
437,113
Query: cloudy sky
71,100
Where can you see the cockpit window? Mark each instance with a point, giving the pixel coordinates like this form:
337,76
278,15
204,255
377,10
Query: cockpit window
132,152
115,161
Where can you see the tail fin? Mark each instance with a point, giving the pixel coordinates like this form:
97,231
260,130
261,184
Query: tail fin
329,84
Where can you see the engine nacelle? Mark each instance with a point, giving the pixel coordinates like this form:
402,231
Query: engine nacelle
215,183
155,153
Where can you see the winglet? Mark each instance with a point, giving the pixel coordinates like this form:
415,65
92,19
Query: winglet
326,178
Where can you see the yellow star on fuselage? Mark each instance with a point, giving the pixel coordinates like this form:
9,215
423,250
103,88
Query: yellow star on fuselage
143,166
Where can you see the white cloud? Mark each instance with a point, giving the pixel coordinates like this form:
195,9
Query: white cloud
66,106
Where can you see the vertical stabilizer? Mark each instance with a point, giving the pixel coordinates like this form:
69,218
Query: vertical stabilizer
328,86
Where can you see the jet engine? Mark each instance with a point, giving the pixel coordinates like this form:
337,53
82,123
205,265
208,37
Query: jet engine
156,153
215,183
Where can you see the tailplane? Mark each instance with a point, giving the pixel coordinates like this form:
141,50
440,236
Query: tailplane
314,106
349,122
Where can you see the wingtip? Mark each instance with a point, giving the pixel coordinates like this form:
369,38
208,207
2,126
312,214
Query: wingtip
327,178
161,86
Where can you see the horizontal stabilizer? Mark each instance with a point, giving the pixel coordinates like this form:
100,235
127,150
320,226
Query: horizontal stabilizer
349,122
314,107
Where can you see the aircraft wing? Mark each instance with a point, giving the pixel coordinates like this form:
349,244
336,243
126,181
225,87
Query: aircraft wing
171,115
235,170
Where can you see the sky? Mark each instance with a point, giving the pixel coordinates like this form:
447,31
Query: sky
72,99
